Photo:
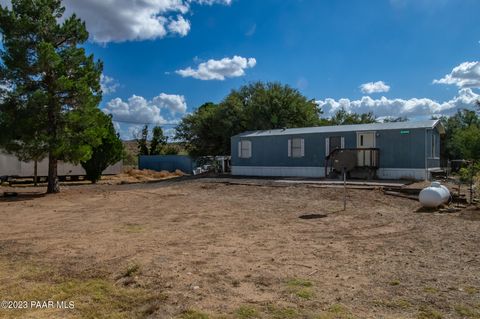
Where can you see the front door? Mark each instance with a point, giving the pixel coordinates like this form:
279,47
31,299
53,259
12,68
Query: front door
366,140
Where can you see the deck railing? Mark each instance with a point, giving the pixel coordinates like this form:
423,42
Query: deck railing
366,157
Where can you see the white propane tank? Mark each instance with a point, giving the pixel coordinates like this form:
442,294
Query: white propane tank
434,196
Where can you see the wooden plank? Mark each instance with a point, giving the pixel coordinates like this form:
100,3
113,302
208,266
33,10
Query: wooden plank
398,194
359,183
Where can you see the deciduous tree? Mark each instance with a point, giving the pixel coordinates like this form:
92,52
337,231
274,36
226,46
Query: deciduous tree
395,119
467,141
109,152
343,117
257,106
455,126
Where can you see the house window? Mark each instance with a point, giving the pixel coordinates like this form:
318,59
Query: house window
296,147
334,142
244,149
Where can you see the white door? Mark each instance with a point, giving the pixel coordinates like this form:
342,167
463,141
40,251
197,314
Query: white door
366,140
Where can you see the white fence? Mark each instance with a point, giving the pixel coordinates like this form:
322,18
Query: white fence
11,166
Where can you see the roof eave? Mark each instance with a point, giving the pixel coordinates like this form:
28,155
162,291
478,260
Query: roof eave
440,127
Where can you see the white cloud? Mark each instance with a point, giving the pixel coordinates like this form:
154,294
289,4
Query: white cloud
173,103
374,87
210,2
179,26
466,75
117,127
127,20
219,69
131,132
170,132
108,84
411,108
138,110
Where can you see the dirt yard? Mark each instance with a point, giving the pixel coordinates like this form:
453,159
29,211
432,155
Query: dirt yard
203,249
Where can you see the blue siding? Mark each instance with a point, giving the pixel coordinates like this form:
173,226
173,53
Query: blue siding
399,150
396,150
273,150
167,163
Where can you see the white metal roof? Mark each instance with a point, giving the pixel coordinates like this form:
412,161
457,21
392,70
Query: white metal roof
349,128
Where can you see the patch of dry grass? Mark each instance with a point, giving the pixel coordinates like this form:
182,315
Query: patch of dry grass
92,298
132,228
336,311
393,304
429,313
194,314
247,312
149,174
301,288
467,312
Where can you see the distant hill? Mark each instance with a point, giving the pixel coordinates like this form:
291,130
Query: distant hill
131,150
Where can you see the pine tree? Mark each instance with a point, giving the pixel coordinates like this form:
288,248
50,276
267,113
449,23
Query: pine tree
142,141
158,141
49,87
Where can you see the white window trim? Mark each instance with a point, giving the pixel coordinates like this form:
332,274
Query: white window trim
327,144
433,144
302,147
241,148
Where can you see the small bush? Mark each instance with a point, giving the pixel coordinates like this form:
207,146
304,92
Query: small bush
170,149
131,270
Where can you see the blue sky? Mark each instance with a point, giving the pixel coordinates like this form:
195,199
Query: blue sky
325,48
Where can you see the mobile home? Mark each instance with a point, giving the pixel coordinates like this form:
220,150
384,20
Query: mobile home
400,150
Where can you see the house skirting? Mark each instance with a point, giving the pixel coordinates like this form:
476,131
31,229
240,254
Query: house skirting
283,171
401,173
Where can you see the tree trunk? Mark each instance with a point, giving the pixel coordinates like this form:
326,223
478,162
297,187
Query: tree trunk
35,173
472,176
53,186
